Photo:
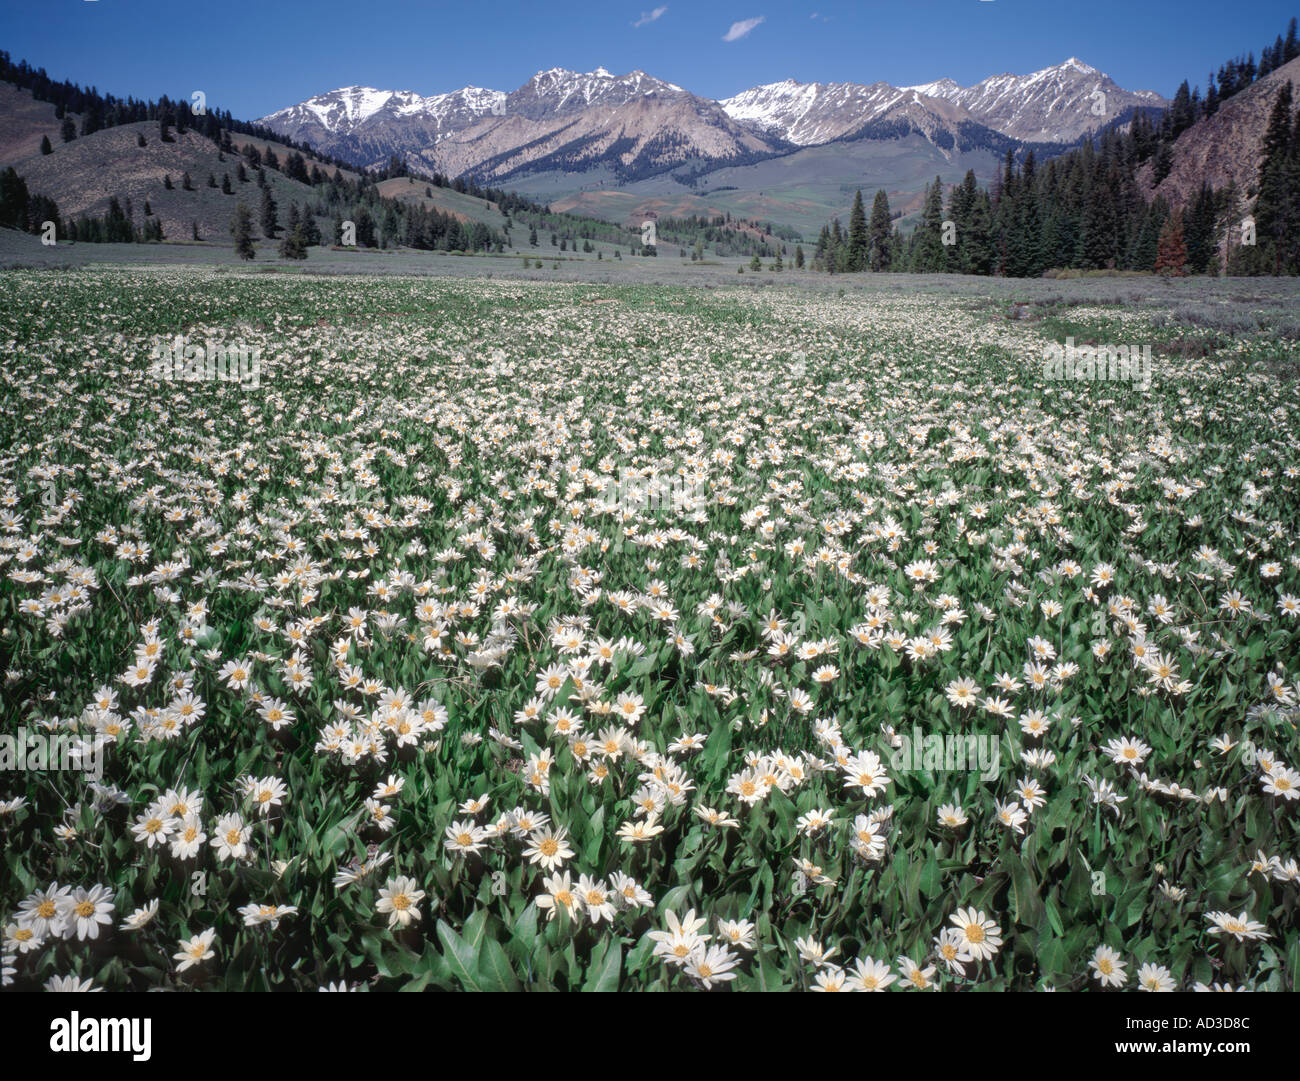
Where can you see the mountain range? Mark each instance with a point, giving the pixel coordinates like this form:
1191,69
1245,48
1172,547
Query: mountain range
627,128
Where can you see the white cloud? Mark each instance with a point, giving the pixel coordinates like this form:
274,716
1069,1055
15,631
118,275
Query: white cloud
742,28
650,16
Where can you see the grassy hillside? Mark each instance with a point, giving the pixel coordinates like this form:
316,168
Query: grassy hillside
465,207
23,122
83,175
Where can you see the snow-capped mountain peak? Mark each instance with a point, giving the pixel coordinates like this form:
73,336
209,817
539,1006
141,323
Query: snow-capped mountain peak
1078,65
460,129
1055,104
560,91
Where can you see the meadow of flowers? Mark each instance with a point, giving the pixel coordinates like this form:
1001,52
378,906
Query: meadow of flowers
529,635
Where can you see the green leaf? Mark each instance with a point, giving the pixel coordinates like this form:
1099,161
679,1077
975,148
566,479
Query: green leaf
603,975
495,968
460,957
768,975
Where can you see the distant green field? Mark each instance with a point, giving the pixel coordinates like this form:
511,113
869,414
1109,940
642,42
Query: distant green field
804,190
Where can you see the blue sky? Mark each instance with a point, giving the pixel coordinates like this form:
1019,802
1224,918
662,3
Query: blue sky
255,56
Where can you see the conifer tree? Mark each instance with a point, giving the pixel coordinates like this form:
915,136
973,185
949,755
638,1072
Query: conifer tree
856,259
1199,230
1171,251
242,228
978,235
879,232
1277,206
929,255
270,226
310,229
365,228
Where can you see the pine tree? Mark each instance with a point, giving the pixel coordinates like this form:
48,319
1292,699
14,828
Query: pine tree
1181,113
756,263
1164,163
856,259
1143,256
879,231
46,148
929,255
958,213
1199,231
1290,263
1171,251
978,236
1097,240
167,181
270,226
1027,235
293,246
69,129
365,228
798,257
1211,105
1276,205
242,228
14,199
226,187
311,234
835,252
